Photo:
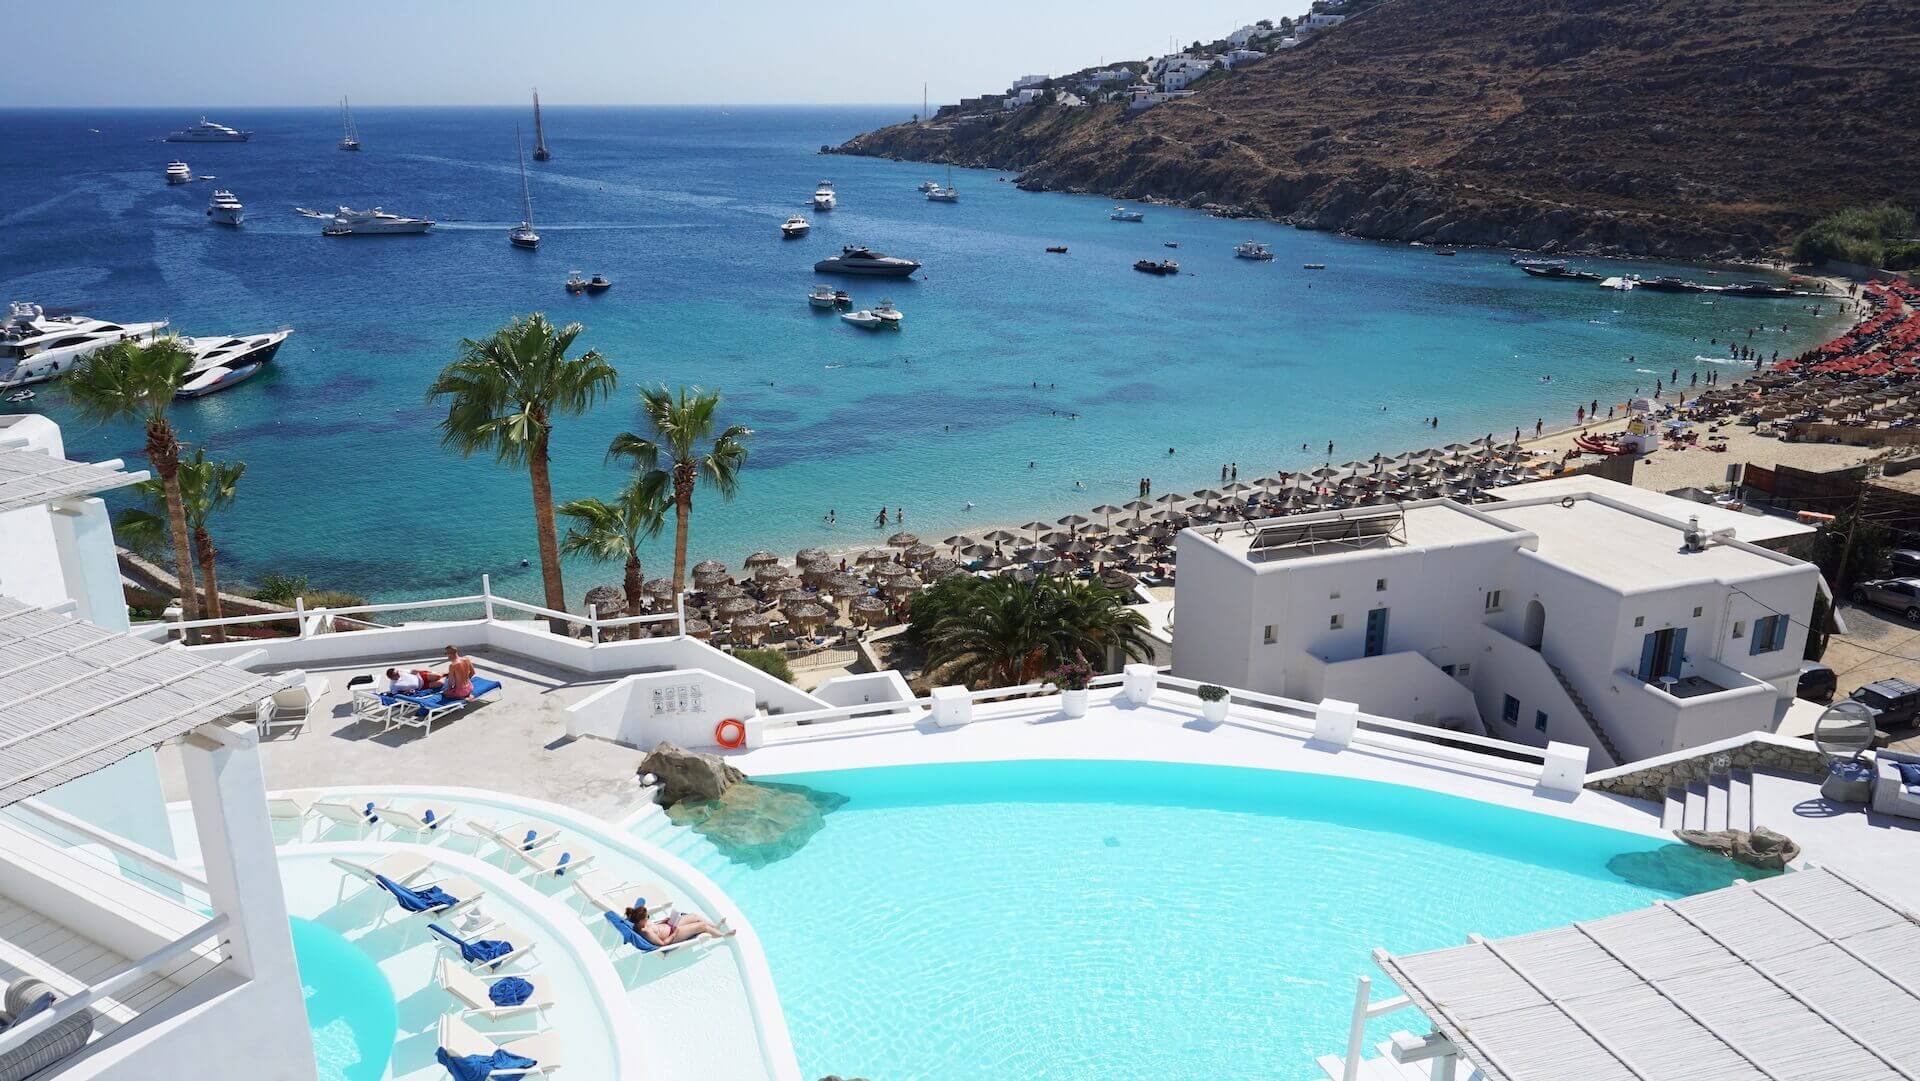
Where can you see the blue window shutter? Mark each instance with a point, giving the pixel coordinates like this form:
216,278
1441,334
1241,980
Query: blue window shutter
1646,657
1779,632
1762,634
1677,652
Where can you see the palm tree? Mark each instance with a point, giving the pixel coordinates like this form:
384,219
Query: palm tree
681,423
1002,632
606,532
206,487
131,381
503,395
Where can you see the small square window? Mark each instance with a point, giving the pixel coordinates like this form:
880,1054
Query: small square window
1267,635
1639,621
1336,622
1510,709
1493,600
1739,628
1335,594
1539,720
1466,670
1379,585
1696,613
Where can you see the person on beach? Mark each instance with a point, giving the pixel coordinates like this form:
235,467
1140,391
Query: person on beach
414,682
899,516
459,676
1538,427
674,929
1236,471
1329,448
881,518
1580,414
1223,474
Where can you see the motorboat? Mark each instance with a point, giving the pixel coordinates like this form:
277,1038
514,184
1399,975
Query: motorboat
598,284
795,226
206,131
1313,266
888,314
1121,213
1618,282
1559,272
576,283
823,296
21,396
179,173
225,208
1670,284
842,298
540,151
1445,251
349,135
1057,249
929,185
823,197
943,195
522,235
219,363
1163,267
36,347
372,222
1170,243
1250,250
854,259
864,319
1756,289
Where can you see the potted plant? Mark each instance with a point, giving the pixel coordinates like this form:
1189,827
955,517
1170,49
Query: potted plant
1213,702
1072,679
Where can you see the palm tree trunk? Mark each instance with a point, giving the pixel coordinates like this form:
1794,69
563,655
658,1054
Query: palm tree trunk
203,545
163,450
682,508
543,524
635,586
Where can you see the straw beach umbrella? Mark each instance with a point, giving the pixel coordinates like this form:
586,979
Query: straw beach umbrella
1106,511
939,567
1074,521
752,626
660,589
1001,536
888,571
734,608
902,539
761,558
869,610
699,628
810,555
769,572
807,615
709,572
874,555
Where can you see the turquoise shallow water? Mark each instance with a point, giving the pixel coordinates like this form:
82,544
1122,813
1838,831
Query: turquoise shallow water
1010,356
1068,919
349,1005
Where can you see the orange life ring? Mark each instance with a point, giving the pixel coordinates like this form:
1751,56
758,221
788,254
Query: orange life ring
738,737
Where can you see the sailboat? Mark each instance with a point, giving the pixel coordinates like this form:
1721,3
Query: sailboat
349,135
948,194
522,235
540,151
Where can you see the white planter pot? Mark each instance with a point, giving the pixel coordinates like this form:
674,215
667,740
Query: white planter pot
1214,712
1074,703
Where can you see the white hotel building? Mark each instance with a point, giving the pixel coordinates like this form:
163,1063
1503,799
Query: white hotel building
1574,616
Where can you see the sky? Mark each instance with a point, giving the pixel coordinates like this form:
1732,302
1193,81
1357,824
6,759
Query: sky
206,53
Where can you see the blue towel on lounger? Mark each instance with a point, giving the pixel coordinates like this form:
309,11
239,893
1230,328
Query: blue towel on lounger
425,899
489,950
481,1067
510,991
628,935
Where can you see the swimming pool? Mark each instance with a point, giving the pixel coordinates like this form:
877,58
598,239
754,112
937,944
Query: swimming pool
1144,920
349,1005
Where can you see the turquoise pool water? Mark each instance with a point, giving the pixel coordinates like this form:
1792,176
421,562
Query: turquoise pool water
349,1005
1069,919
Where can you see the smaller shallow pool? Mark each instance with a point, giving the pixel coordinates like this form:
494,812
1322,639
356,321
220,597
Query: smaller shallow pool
349,1005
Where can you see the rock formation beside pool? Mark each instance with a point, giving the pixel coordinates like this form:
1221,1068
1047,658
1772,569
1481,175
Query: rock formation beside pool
1763,848
687,776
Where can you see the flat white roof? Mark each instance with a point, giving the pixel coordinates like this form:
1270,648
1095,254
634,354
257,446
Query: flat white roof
1753,528
1426,524
1625,549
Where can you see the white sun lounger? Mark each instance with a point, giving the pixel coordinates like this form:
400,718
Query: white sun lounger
545,860
513,836
403,867
368,707
341,812
460,1039
523,944
597,889
465,892
471,990
414,820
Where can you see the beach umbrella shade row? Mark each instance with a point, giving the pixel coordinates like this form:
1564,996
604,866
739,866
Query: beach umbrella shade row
902,539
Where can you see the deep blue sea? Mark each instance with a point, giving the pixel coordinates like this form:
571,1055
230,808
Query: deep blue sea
1023,384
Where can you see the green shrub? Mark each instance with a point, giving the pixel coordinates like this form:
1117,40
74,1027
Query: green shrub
1867,235
1210,692
333,598
771,661
280,588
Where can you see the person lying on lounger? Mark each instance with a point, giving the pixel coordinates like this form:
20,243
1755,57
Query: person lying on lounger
417,681
677,929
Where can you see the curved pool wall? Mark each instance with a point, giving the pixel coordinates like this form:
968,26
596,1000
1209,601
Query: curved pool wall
1136,919
350,1006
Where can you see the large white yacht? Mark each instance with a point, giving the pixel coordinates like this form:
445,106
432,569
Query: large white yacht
795,226
219,363
823,197
858,260
35,347
179,172
226,208
206,131
372,222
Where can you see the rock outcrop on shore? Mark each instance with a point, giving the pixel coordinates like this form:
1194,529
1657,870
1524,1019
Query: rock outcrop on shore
1662,127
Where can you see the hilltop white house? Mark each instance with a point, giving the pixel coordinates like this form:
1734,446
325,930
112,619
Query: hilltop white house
1575,616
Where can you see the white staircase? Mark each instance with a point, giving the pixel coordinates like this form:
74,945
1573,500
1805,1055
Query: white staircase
655,828
1724,801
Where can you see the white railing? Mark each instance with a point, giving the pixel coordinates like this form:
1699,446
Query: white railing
1364,1010
312,621
911,710
154,964
156,862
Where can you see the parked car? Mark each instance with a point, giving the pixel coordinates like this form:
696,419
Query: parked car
1895,702
1904,561
1817,683
1900,594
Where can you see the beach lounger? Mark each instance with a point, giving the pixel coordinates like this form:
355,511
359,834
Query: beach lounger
473,991
424,823
515,835
460,1040
641,947
486,949
291,808
292,706
433,898
356,816
557,860
421,710
373,707
402,867
598,890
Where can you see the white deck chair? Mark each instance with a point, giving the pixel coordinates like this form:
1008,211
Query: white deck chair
413,820
465,892
293,705
341,812
523,944
472,990
598,889
513,836
545,860
460,1039
404,867
368,707
291,808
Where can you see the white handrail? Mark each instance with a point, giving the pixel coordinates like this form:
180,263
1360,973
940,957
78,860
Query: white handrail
17,1035
147,857
1364,1010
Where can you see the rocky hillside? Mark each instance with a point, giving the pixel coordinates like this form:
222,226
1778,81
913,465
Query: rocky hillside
1686,128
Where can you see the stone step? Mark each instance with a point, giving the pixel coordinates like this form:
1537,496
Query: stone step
1717,802
1740,800
1673,812
1696,814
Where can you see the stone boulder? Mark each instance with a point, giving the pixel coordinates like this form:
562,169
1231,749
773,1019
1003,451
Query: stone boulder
1763,848
756,823
683,775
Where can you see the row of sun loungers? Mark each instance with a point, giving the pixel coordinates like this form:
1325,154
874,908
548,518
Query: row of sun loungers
415,710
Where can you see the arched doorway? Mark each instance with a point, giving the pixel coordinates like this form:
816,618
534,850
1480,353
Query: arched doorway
1536,626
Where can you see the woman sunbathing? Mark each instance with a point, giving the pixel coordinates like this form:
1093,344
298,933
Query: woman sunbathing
677,929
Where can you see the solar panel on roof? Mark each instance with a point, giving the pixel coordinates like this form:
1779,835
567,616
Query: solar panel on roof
1327,530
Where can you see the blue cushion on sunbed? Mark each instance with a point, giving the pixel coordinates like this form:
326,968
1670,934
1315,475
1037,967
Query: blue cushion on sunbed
511,991
425,899
1909,772
481,1067
437,699
488,950
628,935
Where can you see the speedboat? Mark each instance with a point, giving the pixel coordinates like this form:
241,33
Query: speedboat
219,363
1250,250
795,226
225,209
1057,249
823,197
35,347
576,283
1756,289
179,173
1445,251
929,185
863,319
21,396
1670,284
823,296
1164,266
944,195
206,131
598,284
887,313
858,260
842,298
1121,213
1313,266
1622,284
373,222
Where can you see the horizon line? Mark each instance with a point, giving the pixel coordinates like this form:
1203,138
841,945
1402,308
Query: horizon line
486,105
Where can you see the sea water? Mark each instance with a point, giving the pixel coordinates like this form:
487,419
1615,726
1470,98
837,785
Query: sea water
1023,384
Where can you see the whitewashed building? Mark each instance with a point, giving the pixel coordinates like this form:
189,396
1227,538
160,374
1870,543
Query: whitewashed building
1244,36
1237,57
1026,81
1576,617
